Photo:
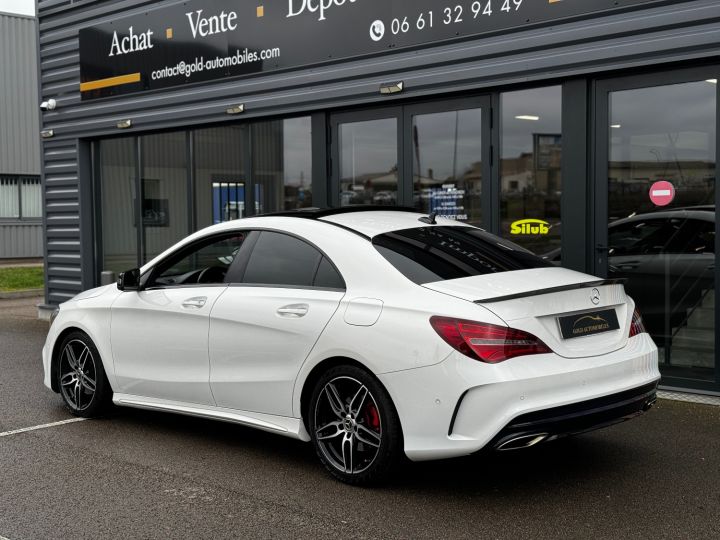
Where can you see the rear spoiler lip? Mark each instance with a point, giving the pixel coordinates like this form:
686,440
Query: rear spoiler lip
550,290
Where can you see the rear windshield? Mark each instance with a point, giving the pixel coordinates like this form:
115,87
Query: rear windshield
428,254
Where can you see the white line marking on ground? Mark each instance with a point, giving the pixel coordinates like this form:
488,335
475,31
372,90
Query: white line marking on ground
42,426
3,538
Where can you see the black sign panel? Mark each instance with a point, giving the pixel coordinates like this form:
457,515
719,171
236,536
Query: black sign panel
198,40
587,324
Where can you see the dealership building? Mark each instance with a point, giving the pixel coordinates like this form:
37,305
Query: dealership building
583,130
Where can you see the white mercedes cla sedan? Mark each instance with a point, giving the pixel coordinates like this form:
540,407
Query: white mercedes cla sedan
372,333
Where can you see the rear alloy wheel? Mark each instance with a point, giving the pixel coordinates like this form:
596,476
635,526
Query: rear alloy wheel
81,377
354,426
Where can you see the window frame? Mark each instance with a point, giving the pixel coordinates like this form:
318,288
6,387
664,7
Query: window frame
20,178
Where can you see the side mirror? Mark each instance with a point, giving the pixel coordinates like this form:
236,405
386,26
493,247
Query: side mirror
129,281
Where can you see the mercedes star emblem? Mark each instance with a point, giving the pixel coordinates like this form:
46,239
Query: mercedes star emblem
595,297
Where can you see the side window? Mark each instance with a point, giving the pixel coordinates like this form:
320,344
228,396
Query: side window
641,237
281,259
695,238
204,263
327,277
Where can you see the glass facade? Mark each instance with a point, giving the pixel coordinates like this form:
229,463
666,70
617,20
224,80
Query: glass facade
666,249
369,162
118,198
164,185
282,164
531,169
447,164
503,168
219,187
188,180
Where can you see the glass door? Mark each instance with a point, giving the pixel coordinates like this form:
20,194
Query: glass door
431,156
447,150
366,158
656,222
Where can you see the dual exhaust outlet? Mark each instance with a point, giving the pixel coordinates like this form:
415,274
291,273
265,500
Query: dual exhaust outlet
522,441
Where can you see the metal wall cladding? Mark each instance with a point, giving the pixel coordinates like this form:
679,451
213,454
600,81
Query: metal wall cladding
667,31
21,240
19,113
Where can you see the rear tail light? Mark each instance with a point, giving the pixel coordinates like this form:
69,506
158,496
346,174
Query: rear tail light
636,326
487,342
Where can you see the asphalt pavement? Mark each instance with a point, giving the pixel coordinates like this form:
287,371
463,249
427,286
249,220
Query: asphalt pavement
137,474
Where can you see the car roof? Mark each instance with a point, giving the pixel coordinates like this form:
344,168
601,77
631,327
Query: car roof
681,213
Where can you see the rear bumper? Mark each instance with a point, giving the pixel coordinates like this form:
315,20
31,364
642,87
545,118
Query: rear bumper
461,406
549,424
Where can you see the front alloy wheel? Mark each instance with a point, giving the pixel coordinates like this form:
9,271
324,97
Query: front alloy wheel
81,377
354,426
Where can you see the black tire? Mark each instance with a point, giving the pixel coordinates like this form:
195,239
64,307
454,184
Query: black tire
361,426
81,377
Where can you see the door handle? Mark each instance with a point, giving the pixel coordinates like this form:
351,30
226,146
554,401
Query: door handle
294,311
194,303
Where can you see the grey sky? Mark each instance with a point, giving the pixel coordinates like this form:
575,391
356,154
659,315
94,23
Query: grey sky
24,7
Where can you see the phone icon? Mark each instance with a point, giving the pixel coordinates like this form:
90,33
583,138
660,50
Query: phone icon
377,30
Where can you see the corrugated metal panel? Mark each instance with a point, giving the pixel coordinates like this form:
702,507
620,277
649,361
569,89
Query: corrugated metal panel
19,112
21,240
665,32
62,220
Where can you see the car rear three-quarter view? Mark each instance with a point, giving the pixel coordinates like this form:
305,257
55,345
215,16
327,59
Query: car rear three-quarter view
372,333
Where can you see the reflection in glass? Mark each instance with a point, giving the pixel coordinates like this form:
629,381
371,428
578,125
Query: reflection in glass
219,177
164,191
530,168
368,162
667,253
118,161
282,164
447,164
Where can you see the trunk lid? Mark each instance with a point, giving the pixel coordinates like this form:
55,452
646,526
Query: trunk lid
534,300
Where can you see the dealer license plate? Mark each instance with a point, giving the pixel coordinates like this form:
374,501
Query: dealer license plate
587,324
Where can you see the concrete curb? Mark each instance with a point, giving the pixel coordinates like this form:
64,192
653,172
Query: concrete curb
26,293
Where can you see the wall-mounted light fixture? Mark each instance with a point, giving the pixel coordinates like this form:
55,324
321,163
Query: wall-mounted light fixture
236,109
48,105
124,124
47,133
392,88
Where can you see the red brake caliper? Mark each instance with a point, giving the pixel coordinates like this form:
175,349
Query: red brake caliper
372,417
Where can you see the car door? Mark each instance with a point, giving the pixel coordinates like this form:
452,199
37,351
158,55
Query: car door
160,333
267,322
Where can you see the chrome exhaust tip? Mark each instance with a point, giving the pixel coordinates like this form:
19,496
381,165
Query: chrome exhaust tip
649,404
522,441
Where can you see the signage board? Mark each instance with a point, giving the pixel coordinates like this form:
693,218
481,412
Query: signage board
194,41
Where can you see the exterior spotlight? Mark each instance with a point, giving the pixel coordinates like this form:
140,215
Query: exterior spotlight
395,88
124,124
236,109
49,105
47,133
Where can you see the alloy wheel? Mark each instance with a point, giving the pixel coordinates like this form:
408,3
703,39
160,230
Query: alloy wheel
78,374
348,426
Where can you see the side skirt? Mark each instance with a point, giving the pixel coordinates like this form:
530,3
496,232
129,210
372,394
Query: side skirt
281,425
